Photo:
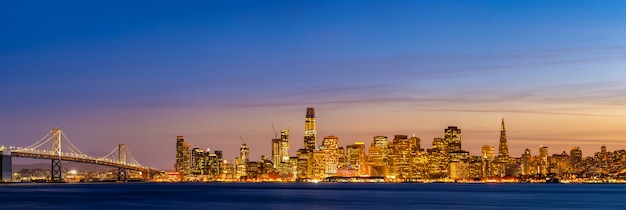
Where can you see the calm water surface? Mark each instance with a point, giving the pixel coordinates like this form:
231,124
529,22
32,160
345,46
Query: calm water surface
311,196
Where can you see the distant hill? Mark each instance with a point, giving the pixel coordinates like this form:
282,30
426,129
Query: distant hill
64,165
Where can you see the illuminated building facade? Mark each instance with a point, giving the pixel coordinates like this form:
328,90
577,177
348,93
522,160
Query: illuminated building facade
526,162
284,146
310,130
503,149
318,168
304,164
453,138
401,159
356,158
244,153
183,159
577,155
276,157
280,152
330,146
199,159
487,152
415,143
543,161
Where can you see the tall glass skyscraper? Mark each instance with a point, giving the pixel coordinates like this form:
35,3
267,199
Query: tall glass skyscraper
310,130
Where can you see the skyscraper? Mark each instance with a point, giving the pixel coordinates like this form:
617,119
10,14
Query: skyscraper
576,154
244,153
310,129
284,146
199,160
280,149
453,137
183,153
276,158
331,149
503,150
543,160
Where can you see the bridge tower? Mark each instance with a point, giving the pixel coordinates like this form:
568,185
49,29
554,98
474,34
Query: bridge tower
55,172
122,173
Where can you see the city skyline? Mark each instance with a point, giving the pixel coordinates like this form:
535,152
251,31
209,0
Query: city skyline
144,72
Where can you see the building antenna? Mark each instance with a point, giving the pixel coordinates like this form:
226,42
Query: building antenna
275,134
241,140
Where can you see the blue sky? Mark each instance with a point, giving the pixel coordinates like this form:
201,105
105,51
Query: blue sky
143,72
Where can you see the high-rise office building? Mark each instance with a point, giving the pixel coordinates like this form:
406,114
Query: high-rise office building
415,143
503,150
441,146
356,158
378,151
280,150
526,162
401,165
183,159
199,161
276,158
488,152
330,146
284,146
576,154
304,164
543,160
453,137
244,153
310,130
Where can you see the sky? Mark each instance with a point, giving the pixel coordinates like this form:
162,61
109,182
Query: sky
221,72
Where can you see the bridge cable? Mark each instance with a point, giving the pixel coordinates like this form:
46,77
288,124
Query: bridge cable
38,143
71,144
111,153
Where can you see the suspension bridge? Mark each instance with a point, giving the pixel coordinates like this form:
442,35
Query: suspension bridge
57,147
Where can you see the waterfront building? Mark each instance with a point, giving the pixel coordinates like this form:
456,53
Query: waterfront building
401,159
310,130
240,169
343,158
330,146
304,164
559,164
318,168
183,159
459,165
475,171
377,156
356,158
199,159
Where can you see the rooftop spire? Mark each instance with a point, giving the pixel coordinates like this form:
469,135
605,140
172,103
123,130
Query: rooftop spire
502,128
310,112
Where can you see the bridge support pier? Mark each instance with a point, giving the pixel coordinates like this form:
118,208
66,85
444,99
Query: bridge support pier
55,172
122,175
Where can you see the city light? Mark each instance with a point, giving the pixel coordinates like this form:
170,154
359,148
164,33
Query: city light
401,159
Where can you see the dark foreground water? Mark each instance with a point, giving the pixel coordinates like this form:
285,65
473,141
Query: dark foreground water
311,196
